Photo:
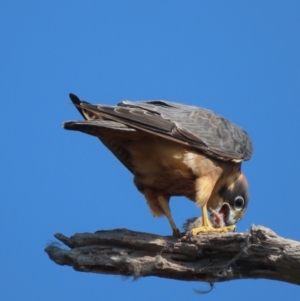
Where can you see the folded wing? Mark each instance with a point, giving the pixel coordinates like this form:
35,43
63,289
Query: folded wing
197,127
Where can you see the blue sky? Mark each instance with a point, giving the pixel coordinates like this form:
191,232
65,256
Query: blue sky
238,58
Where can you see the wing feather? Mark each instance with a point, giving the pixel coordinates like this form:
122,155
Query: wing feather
197,127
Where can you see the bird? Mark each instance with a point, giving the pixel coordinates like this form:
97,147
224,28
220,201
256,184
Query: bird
174,149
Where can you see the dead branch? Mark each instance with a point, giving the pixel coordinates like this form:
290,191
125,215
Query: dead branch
207,257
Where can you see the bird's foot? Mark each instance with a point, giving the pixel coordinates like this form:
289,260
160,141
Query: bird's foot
176,233
206,229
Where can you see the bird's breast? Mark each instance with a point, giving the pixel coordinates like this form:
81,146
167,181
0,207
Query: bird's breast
168,166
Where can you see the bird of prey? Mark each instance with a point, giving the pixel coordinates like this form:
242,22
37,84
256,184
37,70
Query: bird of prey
174,149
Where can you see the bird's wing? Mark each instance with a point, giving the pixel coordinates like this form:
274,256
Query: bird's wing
197,127
111,133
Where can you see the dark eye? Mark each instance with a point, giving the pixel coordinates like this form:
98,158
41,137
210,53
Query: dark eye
238,203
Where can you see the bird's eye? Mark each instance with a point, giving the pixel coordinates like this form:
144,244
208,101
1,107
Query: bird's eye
239,203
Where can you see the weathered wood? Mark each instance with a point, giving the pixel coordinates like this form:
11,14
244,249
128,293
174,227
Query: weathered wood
207,257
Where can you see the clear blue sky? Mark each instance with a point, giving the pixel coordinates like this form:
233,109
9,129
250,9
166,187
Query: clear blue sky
238,58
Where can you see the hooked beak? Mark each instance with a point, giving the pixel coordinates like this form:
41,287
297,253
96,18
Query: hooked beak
225,211
222,217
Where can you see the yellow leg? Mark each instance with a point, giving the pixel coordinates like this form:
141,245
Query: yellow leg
207,227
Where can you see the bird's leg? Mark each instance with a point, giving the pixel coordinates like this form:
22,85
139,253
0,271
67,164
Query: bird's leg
205,220
206,225
159,205
164,204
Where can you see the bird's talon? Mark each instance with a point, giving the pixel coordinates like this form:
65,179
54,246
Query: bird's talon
231,228
207,229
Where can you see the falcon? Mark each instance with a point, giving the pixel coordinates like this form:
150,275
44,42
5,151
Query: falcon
174,149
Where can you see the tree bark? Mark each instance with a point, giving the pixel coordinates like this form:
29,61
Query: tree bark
207,257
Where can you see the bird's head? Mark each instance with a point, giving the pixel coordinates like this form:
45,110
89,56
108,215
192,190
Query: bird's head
233,200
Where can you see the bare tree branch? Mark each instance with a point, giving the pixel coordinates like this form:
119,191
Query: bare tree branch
207,257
